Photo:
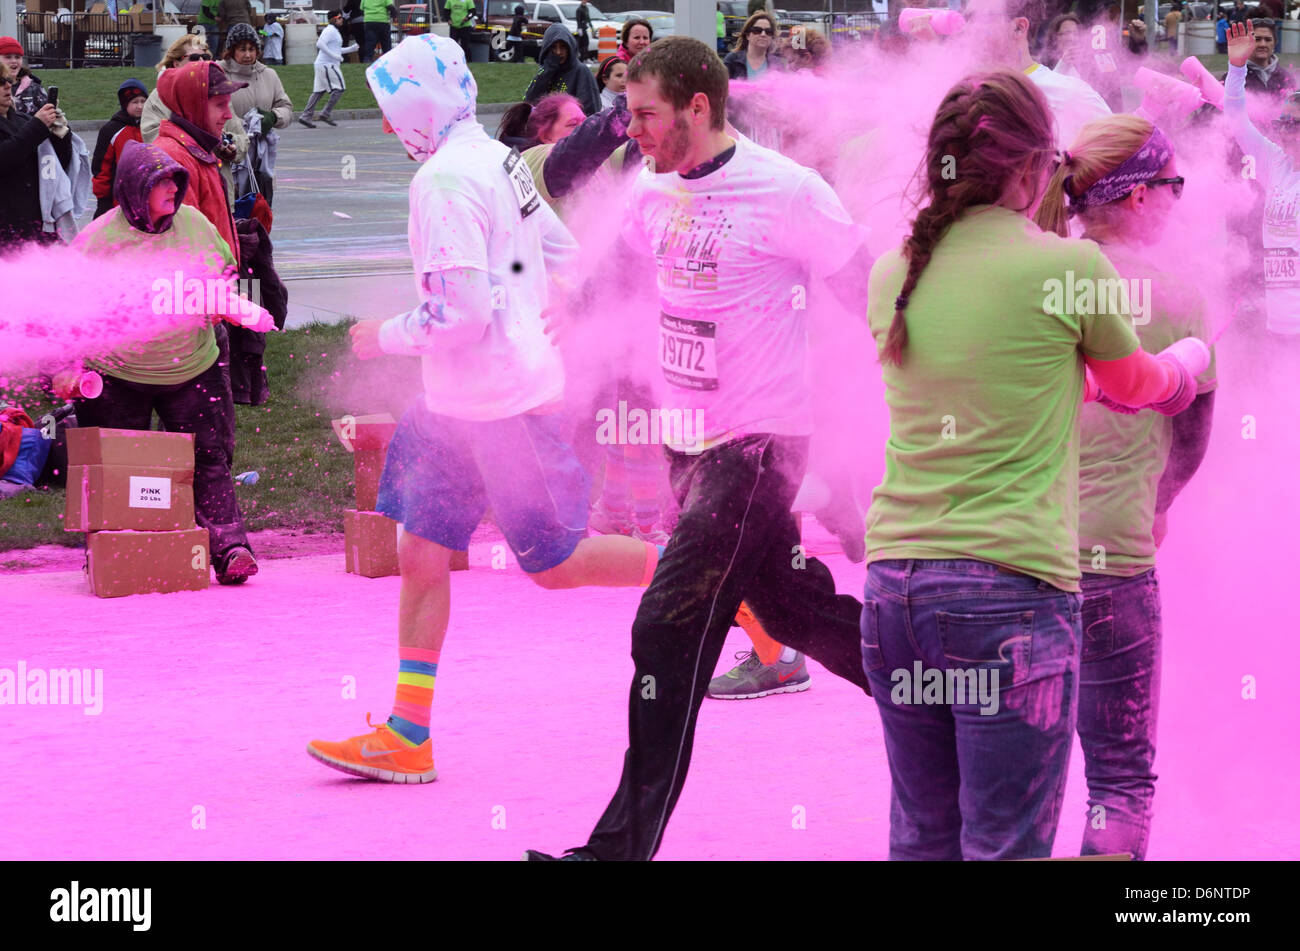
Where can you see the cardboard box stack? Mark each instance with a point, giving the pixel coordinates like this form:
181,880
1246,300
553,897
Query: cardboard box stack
132,493
370,539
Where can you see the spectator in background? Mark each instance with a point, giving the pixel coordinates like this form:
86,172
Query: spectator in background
114,134
329,77
1265,73
192,48
207,18
635,36
752,54
806,48
354,26
515,38
273,45
527,125
179,374
460,18
377,16
28,93
20,173
1172,19
559,70
722,33
1061,43
230,12
583,18
611,79
1137,37
264,94
1221,32
1238,13
1275,9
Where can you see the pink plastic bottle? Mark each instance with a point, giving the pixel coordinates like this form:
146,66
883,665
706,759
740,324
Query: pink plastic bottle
1211,88
943,22
89,385
1183,97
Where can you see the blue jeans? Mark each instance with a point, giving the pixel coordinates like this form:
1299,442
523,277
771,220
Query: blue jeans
1119,697
972,780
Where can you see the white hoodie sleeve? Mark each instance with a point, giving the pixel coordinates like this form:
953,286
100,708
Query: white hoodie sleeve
451,257
1267,155
457,311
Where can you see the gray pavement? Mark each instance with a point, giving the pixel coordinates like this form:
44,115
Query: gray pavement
338,266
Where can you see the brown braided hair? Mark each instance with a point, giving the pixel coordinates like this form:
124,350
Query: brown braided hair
987,132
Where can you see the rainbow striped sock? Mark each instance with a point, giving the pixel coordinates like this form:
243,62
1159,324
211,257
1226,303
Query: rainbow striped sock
416,670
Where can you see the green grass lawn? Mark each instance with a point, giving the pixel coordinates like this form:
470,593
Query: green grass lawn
92,93
305,474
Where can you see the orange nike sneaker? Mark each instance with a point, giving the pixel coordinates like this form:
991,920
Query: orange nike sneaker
380,754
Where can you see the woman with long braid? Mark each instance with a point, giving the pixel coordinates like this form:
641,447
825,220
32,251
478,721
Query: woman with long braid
971,621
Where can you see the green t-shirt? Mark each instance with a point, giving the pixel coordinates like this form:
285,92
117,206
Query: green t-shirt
1121,457
722,25
375,11
982,460
178,355
458,12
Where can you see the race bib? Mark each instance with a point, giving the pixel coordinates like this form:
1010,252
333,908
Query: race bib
521,180
1281,269
688,352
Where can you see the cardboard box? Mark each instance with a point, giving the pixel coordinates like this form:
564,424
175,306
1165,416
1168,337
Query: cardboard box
96,446
122,563
368,466
137,498
367,438
370,544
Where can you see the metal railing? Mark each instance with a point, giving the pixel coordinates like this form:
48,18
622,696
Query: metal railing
65,40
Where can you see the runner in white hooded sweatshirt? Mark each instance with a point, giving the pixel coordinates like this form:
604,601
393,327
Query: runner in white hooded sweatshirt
487,430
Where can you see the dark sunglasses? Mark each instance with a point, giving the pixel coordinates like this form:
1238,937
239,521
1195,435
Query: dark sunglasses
765,30
198,57
1286,123
6,82
1175,184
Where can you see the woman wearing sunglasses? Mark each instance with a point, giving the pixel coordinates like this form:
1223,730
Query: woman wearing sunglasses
1120,180
193,48
754,48
1277,168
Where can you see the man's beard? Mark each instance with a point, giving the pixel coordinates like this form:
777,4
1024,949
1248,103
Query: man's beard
673,147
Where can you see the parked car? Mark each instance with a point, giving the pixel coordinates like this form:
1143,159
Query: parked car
541,14
662,23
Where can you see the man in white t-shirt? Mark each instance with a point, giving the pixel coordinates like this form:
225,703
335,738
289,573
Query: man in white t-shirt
736,232
487,430
1001,29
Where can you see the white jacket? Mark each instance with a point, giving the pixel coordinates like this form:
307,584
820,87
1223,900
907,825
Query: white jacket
332,50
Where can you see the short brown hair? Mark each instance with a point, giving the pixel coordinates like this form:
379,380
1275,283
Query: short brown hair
684,67
1265,25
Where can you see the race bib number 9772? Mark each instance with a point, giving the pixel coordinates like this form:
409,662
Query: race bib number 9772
688,352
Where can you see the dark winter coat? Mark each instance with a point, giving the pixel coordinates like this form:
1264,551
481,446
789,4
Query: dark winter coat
20,178
572,77
248,381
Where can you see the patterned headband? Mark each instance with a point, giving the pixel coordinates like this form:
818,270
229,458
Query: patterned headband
1142,166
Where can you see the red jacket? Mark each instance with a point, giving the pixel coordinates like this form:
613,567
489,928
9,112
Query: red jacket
184,90
103,184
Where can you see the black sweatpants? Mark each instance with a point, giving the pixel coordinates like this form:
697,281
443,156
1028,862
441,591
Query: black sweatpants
735,541
202,406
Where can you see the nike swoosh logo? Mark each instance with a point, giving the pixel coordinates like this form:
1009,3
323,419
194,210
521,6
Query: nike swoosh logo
371,754
782,678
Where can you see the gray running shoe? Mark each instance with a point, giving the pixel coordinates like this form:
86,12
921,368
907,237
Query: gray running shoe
751,678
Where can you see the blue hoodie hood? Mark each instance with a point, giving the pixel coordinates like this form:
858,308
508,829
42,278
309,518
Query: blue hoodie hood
424,88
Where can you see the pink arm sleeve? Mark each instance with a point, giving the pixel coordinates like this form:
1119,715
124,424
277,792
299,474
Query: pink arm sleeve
1136,380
